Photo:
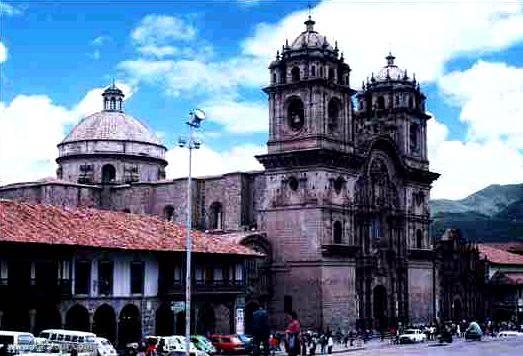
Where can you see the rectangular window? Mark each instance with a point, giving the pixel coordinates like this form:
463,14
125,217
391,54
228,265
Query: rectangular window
287,304
218,274
82,277
4,272
239,273
198,276
177,274
137,277
105,277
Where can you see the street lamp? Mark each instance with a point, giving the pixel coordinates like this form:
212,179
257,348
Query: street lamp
196,118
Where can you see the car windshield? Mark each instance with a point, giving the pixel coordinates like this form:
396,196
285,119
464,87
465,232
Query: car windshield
410,331
243,338
106,343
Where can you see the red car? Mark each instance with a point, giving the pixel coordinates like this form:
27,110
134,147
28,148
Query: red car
227,343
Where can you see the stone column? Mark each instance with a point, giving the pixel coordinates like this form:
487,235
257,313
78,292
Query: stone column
32,320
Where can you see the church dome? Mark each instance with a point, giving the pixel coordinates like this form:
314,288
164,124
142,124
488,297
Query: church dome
111,125
310,38
391,71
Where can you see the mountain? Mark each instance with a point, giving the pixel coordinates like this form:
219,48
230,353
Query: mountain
493,214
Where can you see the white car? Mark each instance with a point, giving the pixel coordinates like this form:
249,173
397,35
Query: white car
176,344
411,336
509,333
104,347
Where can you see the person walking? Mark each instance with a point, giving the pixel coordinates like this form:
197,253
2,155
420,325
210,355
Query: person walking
293,334
330,344
261,331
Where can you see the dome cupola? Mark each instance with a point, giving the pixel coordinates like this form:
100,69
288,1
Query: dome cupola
111,146
113,98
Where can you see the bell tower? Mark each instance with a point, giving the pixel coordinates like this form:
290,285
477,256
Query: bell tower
309,96
391,104
308,168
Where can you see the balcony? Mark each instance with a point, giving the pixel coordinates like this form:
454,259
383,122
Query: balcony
205,287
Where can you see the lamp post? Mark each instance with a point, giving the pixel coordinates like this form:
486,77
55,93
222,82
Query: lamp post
196,118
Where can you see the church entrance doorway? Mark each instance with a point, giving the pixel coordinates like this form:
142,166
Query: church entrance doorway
380,307
108,173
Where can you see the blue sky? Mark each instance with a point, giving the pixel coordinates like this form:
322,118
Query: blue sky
171,56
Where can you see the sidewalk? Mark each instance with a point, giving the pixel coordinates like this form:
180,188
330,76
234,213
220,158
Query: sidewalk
336,349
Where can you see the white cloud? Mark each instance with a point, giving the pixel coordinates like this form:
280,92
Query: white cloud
467,167
490,97
207,161
30,154
9,10
3,53
423,34
237,116
100,40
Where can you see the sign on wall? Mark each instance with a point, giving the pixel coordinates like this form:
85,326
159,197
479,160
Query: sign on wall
240,320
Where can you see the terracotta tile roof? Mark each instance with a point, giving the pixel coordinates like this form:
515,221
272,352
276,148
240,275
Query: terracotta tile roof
498,256
47,224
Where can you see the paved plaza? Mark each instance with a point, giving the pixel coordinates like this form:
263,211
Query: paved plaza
488,346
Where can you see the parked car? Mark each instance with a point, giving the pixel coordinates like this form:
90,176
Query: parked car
175,344
104,347
203,344
510,333
227,343
18,341
473,332
410,336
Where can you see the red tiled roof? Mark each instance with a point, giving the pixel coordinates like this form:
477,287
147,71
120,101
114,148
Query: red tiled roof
47,224
498,256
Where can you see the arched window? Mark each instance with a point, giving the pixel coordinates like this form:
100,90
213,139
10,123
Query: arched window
295,113
293,183
313,71
332,74
273,78
338,184
108,173
295,74
337,232
120,104
413,134
411,102
113,104
419,239
381,102
216,216
168,212
321,71
333,110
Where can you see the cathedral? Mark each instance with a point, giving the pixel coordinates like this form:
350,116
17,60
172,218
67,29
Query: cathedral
340,210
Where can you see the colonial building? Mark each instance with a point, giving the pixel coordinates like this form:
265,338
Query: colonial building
504,278
340,211
460,278
119,275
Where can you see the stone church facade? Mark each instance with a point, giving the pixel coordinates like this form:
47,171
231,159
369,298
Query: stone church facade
341,209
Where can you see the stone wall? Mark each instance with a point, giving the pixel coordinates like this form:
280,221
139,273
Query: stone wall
421,294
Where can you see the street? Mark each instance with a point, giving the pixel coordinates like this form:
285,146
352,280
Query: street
487,346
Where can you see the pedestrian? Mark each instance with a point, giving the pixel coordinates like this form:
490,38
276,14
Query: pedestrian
261,331
323,343
293,333
330,344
